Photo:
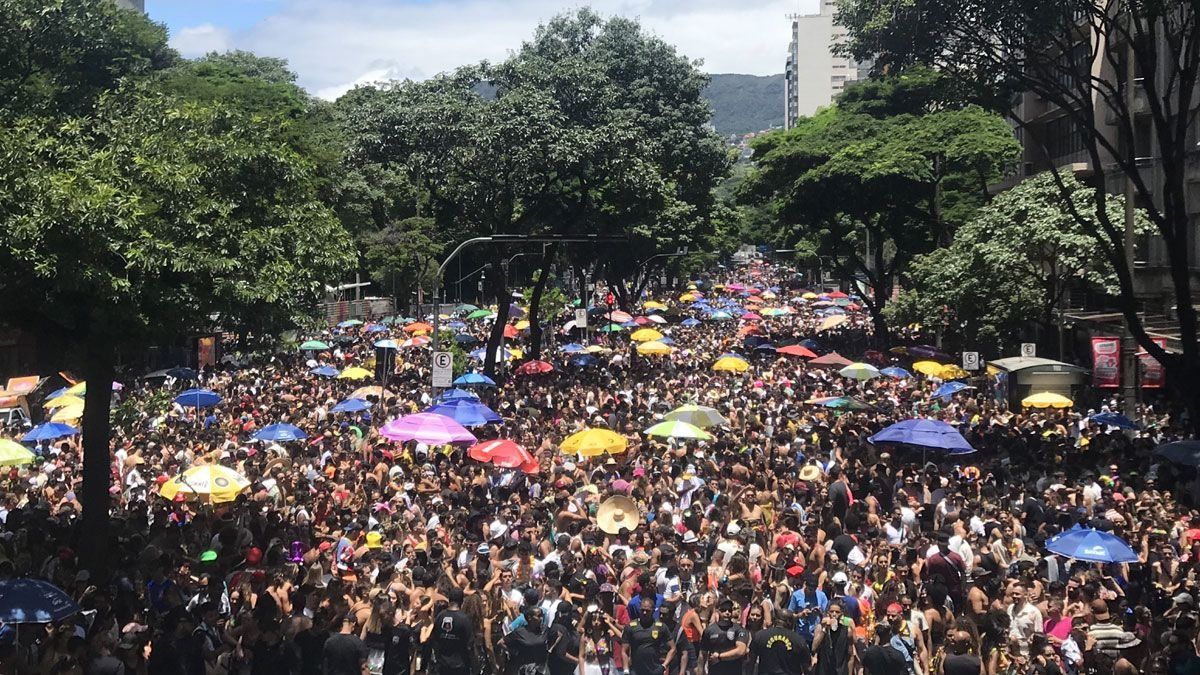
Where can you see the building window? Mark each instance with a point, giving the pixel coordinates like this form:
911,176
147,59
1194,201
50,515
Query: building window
1063,137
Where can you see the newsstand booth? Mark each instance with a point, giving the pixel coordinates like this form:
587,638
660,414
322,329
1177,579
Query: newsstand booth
1016,377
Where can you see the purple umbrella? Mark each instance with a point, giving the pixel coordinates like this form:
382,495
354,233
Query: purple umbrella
428,428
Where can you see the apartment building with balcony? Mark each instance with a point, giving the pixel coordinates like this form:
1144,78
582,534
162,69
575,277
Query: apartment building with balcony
813,74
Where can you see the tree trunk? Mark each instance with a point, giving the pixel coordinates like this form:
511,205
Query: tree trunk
496,339
535,306
97,460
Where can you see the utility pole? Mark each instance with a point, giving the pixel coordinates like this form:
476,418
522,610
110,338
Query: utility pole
1129,374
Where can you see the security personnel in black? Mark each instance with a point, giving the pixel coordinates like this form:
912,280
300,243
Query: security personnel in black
725,643
780,650
453,632
646,644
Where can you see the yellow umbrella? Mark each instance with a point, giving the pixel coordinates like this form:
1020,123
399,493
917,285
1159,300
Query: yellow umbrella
653,304
653,348
515,353
645,335
731,364
13,453
77,388
832,322
597,349
769,295
810,296
930,368
687,297
522,325
62,401
209,483
952,372
593,442
1047,399
355,373
68,414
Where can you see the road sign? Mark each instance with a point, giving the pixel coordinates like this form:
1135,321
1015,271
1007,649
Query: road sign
970,360
443,369
581,318
1029,349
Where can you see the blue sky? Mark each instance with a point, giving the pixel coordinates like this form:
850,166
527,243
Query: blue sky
335,44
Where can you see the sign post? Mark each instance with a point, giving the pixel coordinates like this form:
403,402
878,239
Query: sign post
443,370
970,360
1028,350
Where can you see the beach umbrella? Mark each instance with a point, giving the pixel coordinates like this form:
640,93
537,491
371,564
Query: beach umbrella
678,429
617,316
510,331
895,372
467,412
372,390
428,428
950,389
645,335
62,401
480,354
720,315
535,367
178,372
387,344
797,350
656,318
478,314
466,339
731,364
349,323
1091,545
1047,399
465,307
48,431
501,452
697,415
653,348
80,388
325,371
418,327
198,398
351,405
523,324
830,360
1180,452
653,304
281,432
751,316
612,328
584,360
457,395
572,348
846,403
593,442
313,346
417,341
831,322
354,373
474,380
929,368
375,328
13,453
860,371
208,483
597,349
1114,420
952,372
27,600
689,322
925,433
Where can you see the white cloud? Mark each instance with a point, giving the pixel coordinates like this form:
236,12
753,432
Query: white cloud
199,40
336,44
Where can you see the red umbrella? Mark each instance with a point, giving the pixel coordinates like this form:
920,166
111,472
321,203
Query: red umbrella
797,350
534,368
617,316
531,466
510,331
838,294
641,321
501,452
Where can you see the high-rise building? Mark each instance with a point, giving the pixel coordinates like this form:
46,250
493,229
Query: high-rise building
139,5
814,75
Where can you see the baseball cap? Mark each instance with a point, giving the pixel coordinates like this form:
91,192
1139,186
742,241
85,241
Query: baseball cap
374,540
208,556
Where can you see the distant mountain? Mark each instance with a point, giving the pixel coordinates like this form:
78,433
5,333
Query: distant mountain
745,103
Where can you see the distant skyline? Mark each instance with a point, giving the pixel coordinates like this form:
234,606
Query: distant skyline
335,44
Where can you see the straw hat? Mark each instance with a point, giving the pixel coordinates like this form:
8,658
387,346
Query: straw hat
810,473
616,514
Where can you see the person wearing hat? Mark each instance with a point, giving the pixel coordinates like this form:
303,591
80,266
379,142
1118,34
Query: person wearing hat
1107,635
725,644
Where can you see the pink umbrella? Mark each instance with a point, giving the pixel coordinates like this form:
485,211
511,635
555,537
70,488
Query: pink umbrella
428,428
501,452
751,316
617,316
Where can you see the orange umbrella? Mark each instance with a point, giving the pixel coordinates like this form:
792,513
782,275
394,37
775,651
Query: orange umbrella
510,331
418,327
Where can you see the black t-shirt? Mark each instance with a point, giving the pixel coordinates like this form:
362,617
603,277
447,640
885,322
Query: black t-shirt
780,652
308,648
960,664
883,660
105,665
563,642
526,648
397,650
343,655
842,545
452,633
647,647
717,639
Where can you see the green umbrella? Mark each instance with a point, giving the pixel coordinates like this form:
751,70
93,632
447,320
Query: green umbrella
698,415
612,328
479,314
314,346
675,429
465,307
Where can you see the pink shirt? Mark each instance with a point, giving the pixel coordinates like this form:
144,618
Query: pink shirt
1060,628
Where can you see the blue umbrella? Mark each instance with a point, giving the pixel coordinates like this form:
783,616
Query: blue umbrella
348,323
666,340
61,391
584,360
48,432
351,405
1114,420
1091,545
689,322
949,389
456,325
515,312
385,344
896,373
466,412
572,348
927,434
33,601
458,394
474,380
465,339
325,371
630,324
766,348
1180,452
481,354
810,344
280,432
198,398
375,328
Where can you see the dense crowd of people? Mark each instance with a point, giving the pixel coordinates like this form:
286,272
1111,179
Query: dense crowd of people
786,544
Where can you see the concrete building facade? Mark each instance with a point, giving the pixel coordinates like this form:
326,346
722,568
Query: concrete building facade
814,75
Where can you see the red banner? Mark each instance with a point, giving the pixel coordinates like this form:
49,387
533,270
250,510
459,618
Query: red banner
1153,375
1106,362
